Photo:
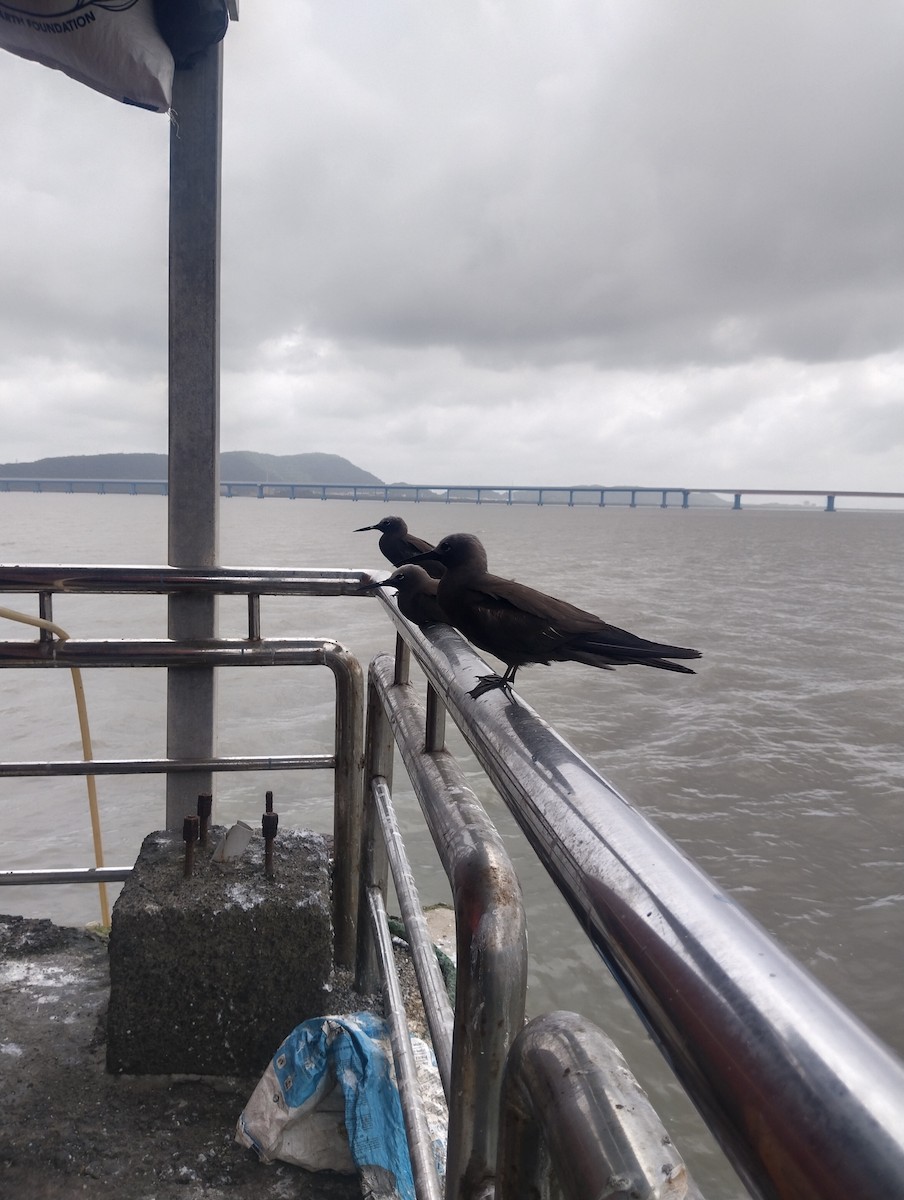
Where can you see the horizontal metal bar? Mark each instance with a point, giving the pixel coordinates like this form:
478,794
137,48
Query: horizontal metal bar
65,875
162,652
160,766
163,580
805,1101
420,1143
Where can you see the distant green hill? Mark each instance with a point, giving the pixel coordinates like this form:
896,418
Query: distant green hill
235,466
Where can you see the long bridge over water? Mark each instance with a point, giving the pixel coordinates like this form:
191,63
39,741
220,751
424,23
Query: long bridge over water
596,495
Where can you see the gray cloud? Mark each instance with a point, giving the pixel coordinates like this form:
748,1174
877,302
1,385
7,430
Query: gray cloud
625,191
582,241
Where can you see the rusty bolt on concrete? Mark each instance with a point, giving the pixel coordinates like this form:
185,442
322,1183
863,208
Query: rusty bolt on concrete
189,836
269,823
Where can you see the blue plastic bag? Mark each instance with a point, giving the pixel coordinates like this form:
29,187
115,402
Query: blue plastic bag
329,1101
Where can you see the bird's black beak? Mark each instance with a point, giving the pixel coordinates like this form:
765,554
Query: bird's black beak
373,583
427,555
364,529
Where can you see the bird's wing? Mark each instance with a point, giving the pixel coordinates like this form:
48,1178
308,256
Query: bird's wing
535,627
510,594
510,621
412,545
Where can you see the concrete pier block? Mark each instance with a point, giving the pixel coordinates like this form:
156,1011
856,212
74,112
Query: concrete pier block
209,974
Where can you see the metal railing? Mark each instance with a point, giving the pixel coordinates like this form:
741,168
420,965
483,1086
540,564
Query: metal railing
805,1102
473,1041
253,651
567,1089
803,1099
471,1044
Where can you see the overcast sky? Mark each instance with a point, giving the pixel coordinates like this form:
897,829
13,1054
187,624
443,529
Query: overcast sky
510,241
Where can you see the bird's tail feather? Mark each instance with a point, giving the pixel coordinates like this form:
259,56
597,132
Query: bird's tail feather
607,661
665,665
605,652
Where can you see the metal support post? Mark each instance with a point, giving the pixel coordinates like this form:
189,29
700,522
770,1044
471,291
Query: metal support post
194,407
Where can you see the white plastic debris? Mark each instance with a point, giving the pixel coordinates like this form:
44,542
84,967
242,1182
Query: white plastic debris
234,844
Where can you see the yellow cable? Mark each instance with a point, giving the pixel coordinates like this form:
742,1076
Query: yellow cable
87,751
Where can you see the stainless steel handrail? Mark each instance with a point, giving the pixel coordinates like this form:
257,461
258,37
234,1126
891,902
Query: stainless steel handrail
167,652
437,1006
93,875
491,940
804,1100
163,766
46,652
163,580
426,1180
568,1088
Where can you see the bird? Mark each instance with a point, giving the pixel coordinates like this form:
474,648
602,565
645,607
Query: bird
521,625
415,594
400,546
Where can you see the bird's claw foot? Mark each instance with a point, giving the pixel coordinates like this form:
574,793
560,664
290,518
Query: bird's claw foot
490,683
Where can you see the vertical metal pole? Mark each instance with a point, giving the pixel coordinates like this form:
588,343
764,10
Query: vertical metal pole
402,660
379,748
349,803
194,406
435,735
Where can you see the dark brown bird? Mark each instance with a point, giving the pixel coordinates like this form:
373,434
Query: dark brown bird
519,625
416,594
400,546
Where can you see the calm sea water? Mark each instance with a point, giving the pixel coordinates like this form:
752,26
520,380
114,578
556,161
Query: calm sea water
779,767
